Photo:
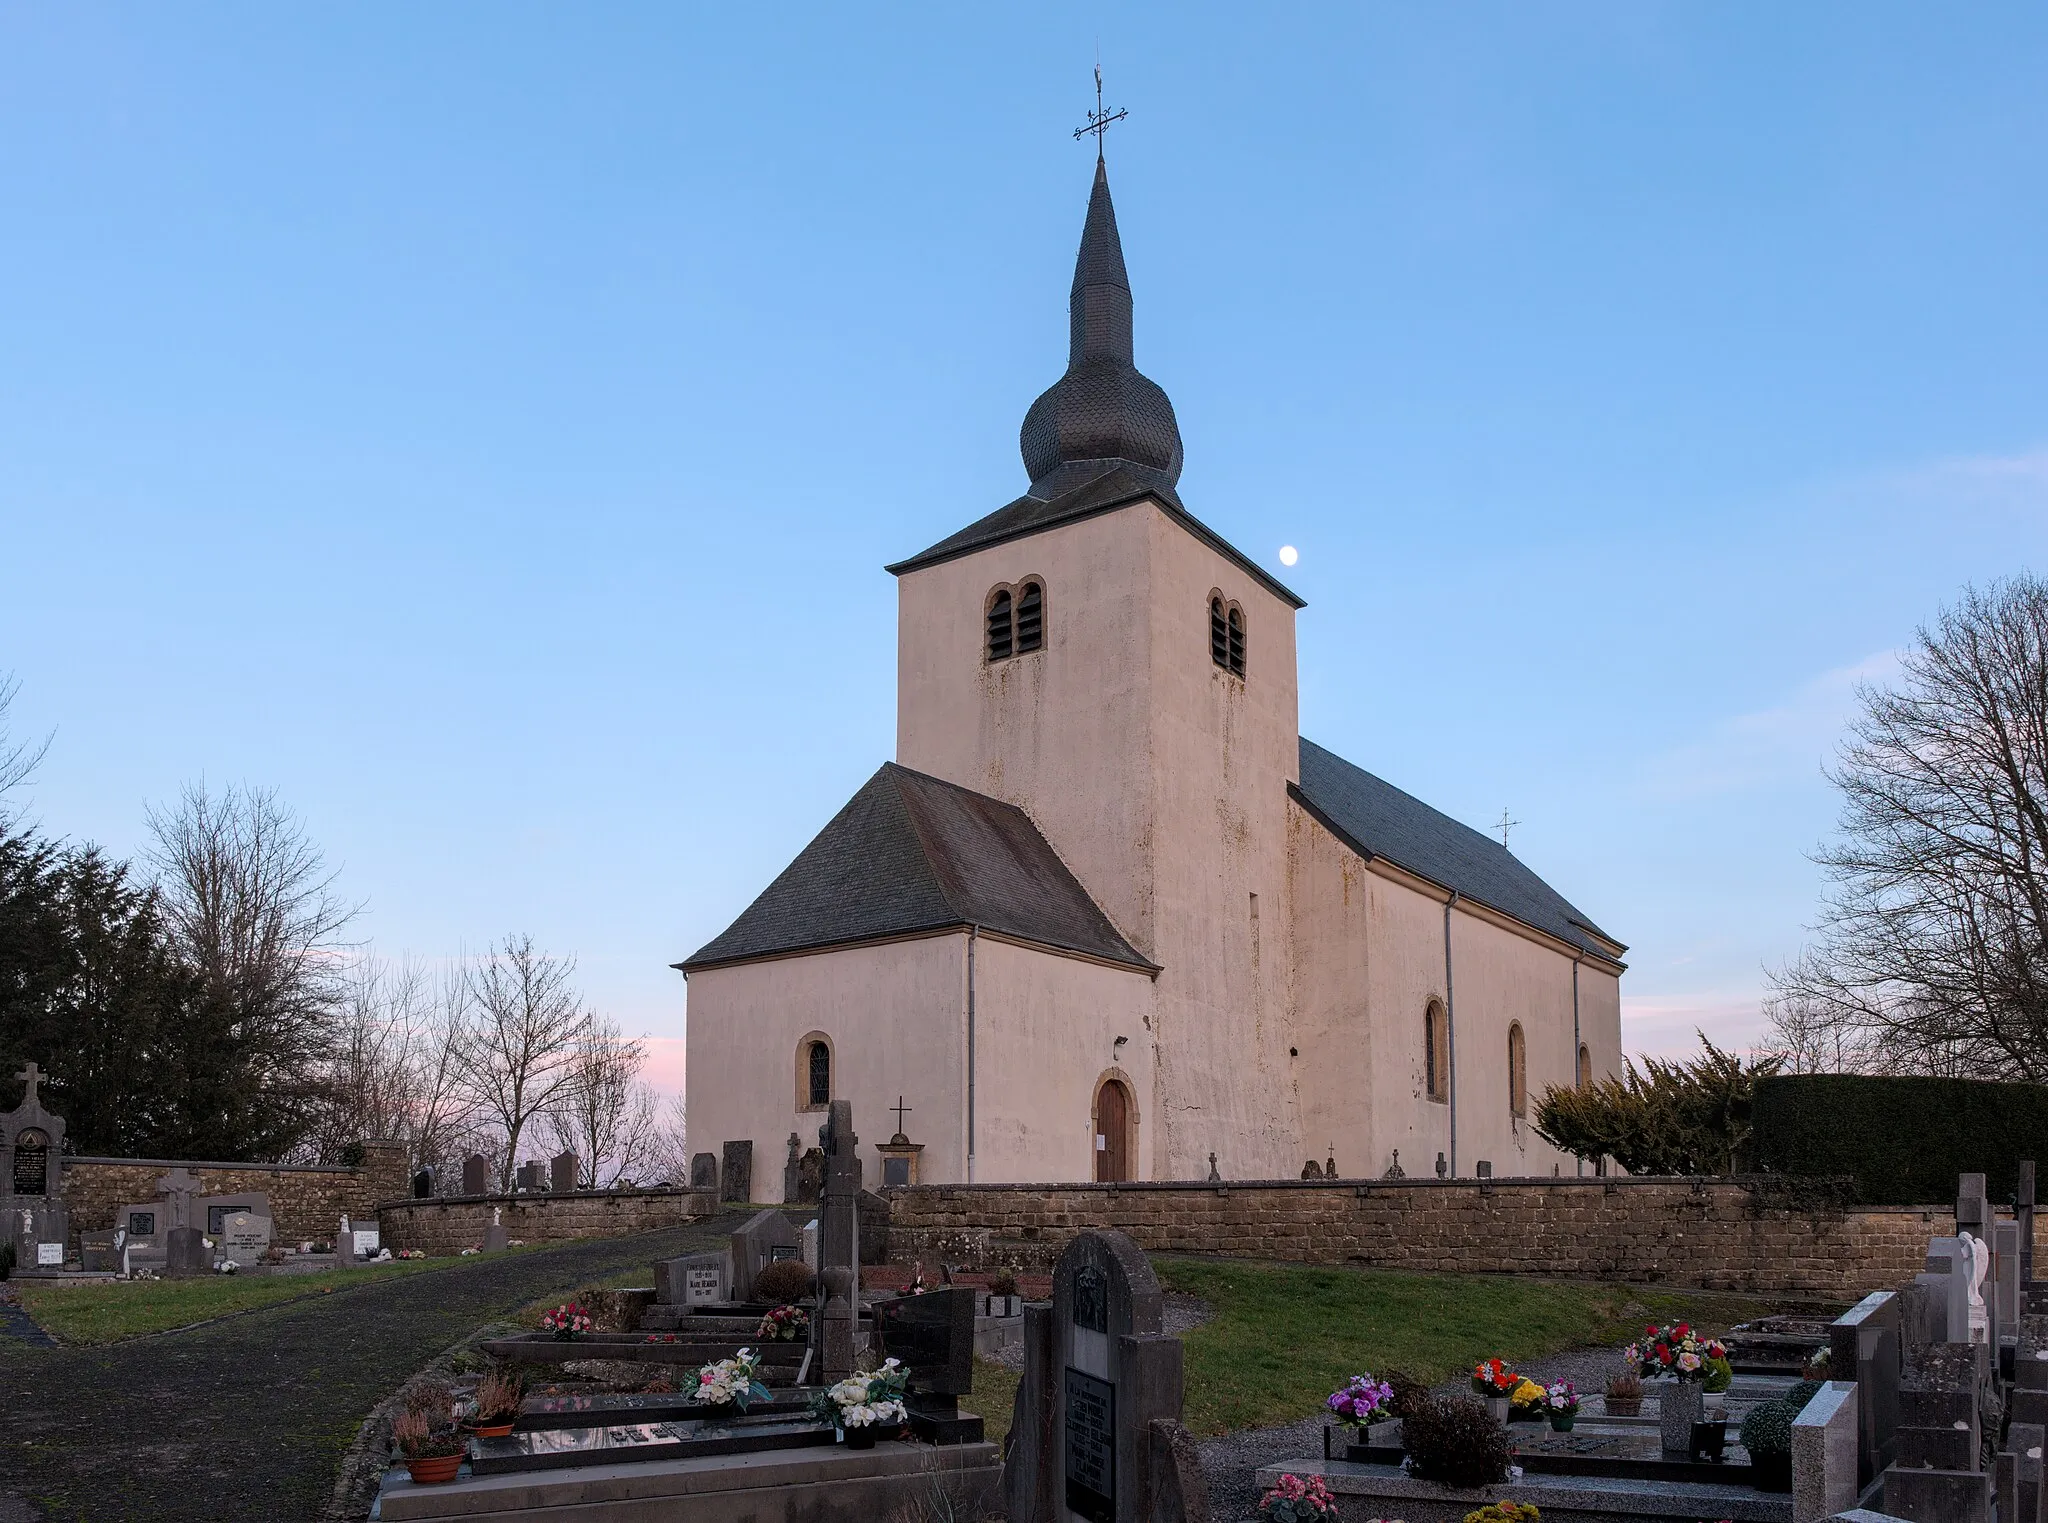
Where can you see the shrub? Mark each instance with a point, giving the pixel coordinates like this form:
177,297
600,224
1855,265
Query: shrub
429,1396
1767,1431
1003,1284
420,1438
1455,1443
1408,1393
1902,1139
1801,1393
786,1282
1505,1512
498,1396
1663,1118
1720,1375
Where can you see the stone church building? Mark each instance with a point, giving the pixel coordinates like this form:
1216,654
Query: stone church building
1108,915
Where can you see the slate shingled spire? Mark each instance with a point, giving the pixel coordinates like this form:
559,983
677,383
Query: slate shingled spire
1102,414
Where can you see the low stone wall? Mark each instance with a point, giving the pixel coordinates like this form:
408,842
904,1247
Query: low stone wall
449,1224
1722,1234
306,1201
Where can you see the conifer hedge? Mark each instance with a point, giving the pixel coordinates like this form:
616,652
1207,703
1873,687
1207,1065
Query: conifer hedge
1903,1140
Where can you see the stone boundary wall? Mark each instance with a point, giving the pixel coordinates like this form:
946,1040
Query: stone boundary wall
450,1223
1719,1234
307,1201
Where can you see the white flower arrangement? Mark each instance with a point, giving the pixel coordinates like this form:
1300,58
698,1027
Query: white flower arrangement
868,1398
731,1382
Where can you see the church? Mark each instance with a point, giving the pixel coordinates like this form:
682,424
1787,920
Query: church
1109,915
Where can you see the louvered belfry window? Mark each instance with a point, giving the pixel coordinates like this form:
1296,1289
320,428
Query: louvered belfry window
1001,630
1236,643
1030,617
1226,636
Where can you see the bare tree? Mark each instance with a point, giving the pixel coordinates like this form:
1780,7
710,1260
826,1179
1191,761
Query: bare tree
668,1154
521,1038
18,758
1932,949
393,1066
607,1115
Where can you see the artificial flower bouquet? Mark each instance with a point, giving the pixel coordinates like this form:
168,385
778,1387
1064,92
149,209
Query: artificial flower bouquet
1526,1401
785,1324
1296,1500
867,1399
1362,1402
1676,1350
1494,1377
1561,1399
567,1321
731,1383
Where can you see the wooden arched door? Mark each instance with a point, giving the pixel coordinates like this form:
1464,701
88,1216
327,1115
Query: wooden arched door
1112,1132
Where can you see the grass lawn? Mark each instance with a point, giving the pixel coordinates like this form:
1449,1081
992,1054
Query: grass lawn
994,1397
107,1312
1284,1336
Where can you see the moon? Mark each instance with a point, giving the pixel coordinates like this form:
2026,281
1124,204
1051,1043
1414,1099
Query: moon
1289,555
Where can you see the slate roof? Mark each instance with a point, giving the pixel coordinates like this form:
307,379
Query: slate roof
1377,819
1118,487
912,853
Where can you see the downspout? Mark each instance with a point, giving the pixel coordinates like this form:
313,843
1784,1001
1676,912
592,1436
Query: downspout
1451,1031
1578,1078
973,935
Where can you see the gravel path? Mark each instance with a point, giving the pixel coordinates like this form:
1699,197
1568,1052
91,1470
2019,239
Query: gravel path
247,1418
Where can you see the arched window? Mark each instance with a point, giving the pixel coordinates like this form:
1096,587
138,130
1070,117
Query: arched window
821,1074
1030,617
1002,636
1226,635
1518,1071
1436,1048
1585,1067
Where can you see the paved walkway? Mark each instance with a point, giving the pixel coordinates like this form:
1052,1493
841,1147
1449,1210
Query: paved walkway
245,1420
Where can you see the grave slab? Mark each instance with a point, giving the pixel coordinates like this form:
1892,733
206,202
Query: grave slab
1383,1490
1824,1453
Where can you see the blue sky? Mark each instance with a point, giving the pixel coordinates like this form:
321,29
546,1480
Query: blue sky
487,424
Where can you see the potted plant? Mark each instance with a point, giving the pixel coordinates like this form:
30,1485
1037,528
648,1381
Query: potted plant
567,1322
1625,1394
1680,1354
498,1396
432,1451
1714,1388
865,1405
785,1324
1361,1402
1505,1512
1526,1402
1295,1500
1561,1405
1495,1380
1767,1435
1003,1300
726,1389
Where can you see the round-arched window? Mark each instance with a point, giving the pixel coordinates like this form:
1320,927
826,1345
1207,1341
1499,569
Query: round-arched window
1518,1071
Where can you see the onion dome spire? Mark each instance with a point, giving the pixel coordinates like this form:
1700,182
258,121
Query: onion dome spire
1102,414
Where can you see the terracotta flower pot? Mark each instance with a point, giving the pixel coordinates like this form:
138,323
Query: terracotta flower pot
494,1430
434,1469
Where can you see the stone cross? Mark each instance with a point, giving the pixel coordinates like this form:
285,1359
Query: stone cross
178,1187
839,1244
29,1076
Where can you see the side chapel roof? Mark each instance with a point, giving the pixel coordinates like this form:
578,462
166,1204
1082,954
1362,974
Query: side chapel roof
911,853
1376,819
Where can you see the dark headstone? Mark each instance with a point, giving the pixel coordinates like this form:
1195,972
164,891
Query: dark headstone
1938,1496
704,1172
791,1170
874,1228
765,1237
532,1176
476,1178
185,1254
563,1172
839,1244
736,1172
1864,1346
933,1334
810,1176
97,1253
423,1184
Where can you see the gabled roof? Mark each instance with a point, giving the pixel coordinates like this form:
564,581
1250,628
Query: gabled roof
909,854
1116,488
1376,819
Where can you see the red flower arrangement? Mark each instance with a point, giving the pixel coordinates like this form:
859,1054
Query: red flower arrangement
1677,1351
1494,1377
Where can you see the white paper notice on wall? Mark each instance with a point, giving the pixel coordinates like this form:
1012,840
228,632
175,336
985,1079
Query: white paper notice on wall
366,1243
49,1254
1101,1143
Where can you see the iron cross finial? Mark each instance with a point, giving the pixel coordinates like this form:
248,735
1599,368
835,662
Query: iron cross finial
1099,119
901,1109
1504,825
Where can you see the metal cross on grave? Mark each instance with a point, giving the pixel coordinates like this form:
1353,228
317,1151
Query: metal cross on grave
901,1110
178,1187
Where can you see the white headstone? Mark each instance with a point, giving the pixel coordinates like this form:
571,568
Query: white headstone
810,1236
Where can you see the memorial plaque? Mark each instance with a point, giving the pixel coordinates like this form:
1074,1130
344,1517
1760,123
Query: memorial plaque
142,1224
703,1285
1091,1300
49,1255
366,1242
1091,1447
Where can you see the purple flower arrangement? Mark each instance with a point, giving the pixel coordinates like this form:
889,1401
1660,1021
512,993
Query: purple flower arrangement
1362,1401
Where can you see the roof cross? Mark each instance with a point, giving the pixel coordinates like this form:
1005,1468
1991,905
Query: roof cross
1098,119
1504,825
900,1108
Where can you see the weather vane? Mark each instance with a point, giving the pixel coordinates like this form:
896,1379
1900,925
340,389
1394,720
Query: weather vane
1099,119
1504,825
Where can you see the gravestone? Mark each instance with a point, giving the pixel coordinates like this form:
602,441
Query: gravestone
695,1279
218,1208
100,1252
2023,1212
495,1235
145,1232
184,1244
704,1172
1864,1346
2020,1496
766,1238
1097,1433
810,1176
423,1184
476,1179
532,1177
357,1244
839,1244
245,1238
810,1237
791,1169
2005,1273
736,1172
31,1179
873,1228
933,1336
563,1170
1824,1459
